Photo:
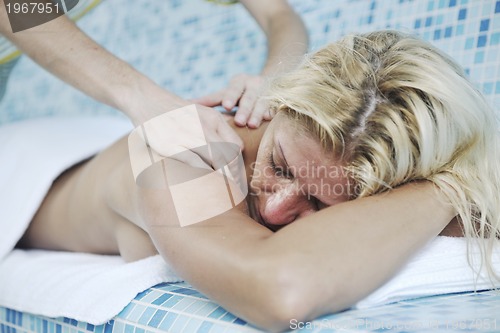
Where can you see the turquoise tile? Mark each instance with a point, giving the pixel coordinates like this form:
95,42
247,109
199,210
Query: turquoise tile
469,43
217,313
157,318
430,5
479,57
205,327
179,324
146,316
119,327
167,322
439,19
495,38
136,312
192,325
129,328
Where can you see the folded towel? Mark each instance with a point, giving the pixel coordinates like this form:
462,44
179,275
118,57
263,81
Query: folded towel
439,268
34,153
95,288
86,287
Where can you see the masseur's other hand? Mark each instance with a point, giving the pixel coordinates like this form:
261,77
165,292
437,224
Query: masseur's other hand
178,133
183,134
243,91
143,102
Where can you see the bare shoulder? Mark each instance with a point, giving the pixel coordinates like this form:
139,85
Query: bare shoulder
251,139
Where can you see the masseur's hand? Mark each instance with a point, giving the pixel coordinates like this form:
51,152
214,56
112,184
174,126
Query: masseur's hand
287,41
145,100
175,127
243,91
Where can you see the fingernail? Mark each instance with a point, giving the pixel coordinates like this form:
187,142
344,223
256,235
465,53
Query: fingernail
227,103
239,119
253,123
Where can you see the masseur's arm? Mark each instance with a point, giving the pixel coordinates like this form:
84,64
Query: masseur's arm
287,38
319,264
64,50
287,41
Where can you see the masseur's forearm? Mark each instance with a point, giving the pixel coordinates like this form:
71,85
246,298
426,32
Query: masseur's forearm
64,50
284,50
319,264
287,38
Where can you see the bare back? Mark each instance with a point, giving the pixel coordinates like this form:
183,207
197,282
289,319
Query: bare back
92,207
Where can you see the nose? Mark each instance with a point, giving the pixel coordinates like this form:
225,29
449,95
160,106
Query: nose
286,205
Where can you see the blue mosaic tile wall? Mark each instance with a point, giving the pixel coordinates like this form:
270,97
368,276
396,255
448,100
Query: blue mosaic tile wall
193,47
177,307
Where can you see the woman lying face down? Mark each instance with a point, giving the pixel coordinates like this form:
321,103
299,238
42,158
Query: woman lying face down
378,142
293,176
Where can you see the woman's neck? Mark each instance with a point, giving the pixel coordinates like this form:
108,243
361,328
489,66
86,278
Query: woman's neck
251,140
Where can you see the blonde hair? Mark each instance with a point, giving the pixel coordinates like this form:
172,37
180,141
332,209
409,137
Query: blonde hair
395,109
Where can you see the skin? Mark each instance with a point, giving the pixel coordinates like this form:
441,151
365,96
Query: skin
302,180
321,263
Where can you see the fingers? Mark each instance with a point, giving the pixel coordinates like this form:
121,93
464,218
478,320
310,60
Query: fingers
247,114
234,91
243,90
216,128
260,112
245,108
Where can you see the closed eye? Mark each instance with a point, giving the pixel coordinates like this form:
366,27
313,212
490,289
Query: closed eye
317,203
279,170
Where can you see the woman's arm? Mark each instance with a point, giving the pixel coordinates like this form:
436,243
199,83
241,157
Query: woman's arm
320,264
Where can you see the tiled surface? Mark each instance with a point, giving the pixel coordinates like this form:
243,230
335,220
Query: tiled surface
193,47
179,308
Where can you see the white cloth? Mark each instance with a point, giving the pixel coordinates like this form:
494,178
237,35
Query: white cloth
439,268
33,153
94,288
86,287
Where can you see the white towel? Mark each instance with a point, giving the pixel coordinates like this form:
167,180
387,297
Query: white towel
34,152
86,287
95,288
439,268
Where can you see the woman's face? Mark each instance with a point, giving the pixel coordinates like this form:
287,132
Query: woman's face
292,176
